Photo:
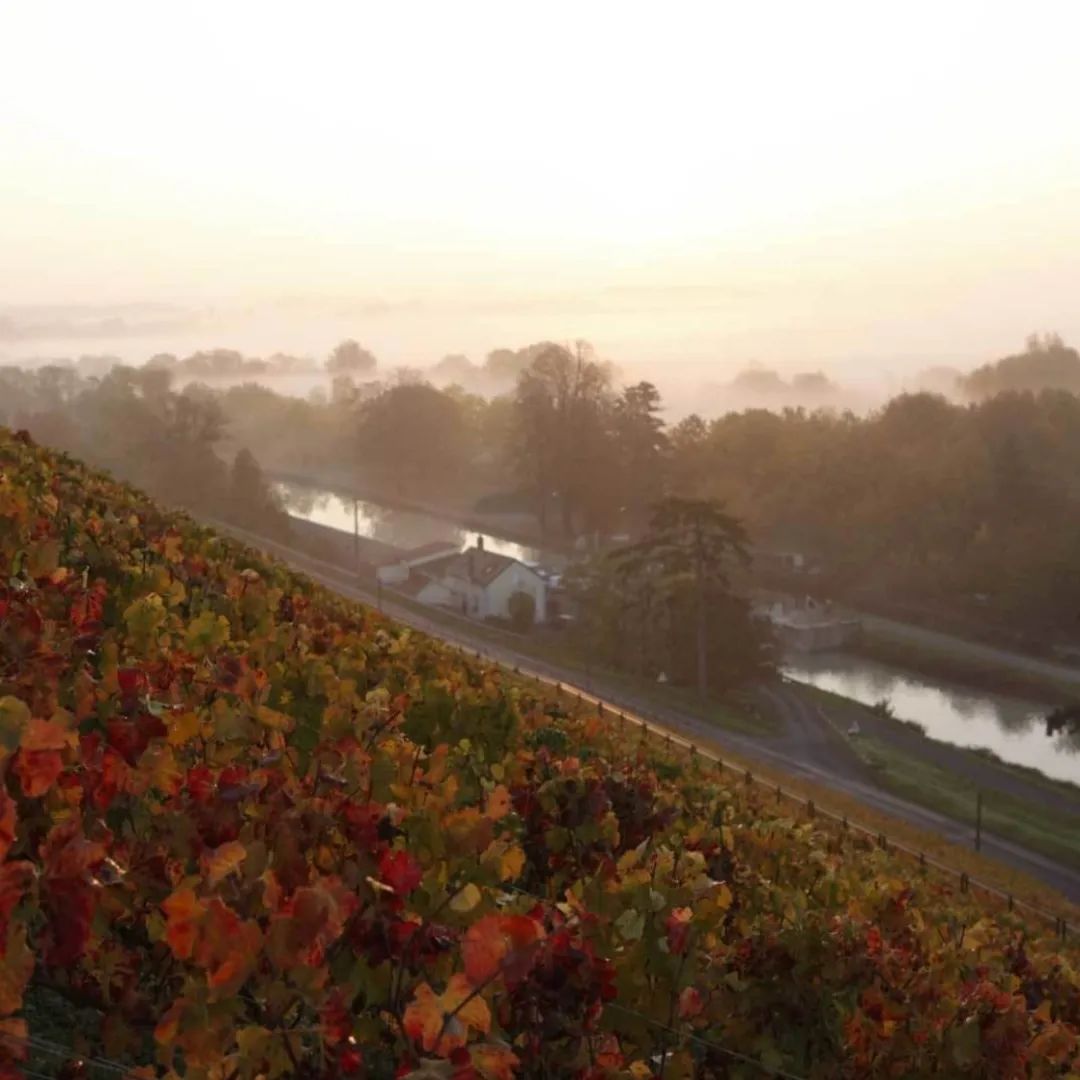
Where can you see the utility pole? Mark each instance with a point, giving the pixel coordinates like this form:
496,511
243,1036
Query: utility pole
978,819
356,535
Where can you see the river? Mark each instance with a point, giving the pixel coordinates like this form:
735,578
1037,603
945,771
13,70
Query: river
401,528
1013,728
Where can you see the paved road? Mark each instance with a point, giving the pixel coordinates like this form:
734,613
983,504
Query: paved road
1045,869
808,746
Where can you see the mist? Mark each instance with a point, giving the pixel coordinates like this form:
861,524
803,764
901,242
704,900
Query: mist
688,341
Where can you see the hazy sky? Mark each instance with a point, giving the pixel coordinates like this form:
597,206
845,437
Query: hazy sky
800,180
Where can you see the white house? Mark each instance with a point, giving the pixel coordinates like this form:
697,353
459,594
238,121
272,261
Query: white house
480,583
396,570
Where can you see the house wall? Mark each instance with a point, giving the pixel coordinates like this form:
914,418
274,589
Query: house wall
394,574
435,592
516,578
463,597
479,602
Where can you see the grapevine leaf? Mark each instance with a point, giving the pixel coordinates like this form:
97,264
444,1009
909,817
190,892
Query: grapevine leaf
184,911
466,899
219,863
501,944
14,719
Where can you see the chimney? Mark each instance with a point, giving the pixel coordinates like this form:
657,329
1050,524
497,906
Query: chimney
474,554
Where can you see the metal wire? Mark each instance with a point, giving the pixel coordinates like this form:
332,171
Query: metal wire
691,1036
68,1053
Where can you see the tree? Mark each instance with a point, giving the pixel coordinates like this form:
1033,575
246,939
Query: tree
456,368
690,541
503,367
562,411
641,445
342,390
251,501
214,362
91,365
1046,363
759,382
415,436
1065,718
351,358
813,385
688,462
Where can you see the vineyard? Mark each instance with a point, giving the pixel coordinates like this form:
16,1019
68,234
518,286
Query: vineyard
248,829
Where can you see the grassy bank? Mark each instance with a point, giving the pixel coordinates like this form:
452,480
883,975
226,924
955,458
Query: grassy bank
940,663
921,780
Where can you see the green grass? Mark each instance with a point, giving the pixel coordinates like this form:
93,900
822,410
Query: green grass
942,663
1032,775
1046,831
949,792
849,710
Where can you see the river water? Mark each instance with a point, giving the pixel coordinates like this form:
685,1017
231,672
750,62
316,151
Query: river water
401,528
1012,727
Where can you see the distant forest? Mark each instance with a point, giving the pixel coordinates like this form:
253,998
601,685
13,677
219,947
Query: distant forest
930,504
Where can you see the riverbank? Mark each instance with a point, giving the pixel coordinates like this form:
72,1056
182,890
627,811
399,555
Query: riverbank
1019,803
974,664
518,528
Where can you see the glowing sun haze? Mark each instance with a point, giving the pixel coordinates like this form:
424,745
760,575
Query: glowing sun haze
813,179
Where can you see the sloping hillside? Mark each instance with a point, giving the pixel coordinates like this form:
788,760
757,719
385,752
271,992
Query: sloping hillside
250,830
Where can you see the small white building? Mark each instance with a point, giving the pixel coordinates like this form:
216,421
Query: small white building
810,626
397,570
480,583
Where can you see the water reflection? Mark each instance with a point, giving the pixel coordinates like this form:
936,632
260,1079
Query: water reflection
1014,728
401,528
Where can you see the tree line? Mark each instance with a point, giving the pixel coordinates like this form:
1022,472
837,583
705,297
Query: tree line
924,505
132,422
